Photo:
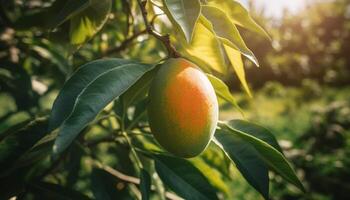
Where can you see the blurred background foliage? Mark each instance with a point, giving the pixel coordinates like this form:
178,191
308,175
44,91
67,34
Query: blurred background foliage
301,90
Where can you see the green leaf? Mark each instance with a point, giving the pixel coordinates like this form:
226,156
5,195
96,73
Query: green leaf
88,22
183,178
238,15
76,84
223,91
204,49
247,160
45,190
256,131
88,91
215,177
226,31
15,145
236,61
103,185
271,156
145,184
70,8
185,13
138,90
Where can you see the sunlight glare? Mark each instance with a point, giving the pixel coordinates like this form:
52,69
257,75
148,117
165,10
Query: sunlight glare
276,7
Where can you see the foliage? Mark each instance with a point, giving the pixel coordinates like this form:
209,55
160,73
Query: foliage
94,141
313,132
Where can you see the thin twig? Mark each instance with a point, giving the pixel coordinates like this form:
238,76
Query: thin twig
165,39
127,10
155,17
130,179
127,178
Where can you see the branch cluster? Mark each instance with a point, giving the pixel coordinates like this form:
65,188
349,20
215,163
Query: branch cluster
165,39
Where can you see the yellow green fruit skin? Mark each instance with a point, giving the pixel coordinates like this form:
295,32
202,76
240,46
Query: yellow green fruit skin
183,108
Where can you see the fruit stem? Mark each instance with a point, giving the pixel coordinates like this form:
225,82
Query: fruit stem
165,39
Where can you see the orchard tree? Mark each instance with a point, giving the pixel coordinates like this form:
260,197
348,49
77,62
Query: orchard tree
143,125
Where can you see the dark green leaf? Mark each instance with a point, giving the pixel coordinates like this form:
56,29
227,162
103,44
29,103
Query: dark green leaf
45,190
76,84
271,156
88,91
145,184
183,178
247,160
48,18
139,89
16,144
185,13
256,131
70,8
73,164
103,185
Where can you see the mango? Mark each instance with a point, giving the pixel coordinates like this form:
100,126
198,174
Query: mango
183,108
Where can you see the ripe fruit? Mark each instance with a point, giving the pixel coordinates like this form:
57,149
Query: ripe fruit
183,109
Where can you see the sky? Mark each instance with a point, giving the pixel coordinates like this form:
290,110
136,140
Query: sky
275,8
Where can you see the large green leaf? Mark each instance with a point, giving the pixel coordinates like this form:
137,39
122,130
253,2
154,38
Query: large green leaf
88,91
237,63
88,22
238,14
226,31
222,90
268,153
145,184
185,13
205,49
247,160
183,178
76,84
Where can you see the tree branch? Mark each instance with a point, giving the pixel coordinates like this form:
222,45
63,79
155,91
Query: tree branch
165,39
